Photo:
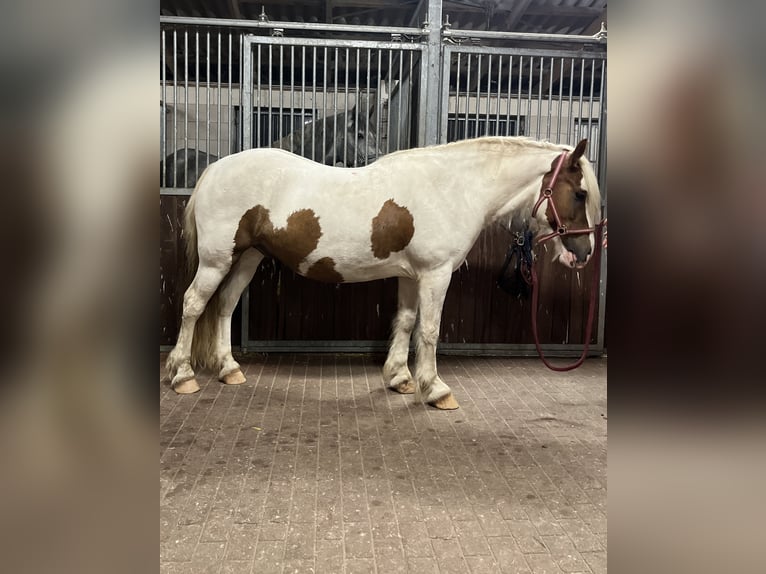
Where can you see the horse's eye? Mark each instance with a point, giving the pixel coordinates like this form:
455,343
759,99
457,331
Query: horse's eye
580,194
360,134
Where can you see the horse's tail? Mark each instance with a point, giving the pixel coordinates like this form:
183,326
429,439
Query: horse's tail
203,349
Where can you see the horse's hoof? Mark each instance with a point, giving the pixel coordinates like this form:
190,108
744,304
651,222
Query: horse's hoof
186,387
405,388
234,378
446,403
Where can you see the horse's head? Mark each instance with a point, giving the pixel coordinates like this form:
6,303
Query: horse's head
570,214
356,143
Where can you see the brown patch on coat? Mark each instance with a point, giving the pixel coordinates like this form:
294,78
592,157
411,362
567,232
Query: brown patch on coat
324,270
290,244
392,229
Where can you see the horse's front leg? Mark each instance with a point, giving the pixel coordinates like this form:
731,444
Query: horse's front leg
432,288
396,373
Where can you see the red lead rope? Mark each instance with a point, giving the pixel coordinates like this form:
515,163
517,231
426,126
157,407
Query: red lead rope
591,306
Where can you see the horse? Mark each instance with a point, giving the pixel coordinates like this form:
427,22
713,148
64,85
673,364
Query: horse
413,215
344,139
184,166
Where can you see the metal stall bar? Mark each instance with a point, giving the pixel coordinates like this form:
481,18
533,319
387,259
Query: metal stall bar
345,113
324,104
389,93
454,33
561,97
335,109
603,186
508,101
367,108
271,102
408,133
163,106
246,110
487,130
292,89
385,31
357,100
592,156
518,96
313,103
570,130
467,96
303,99
186,102
175,97
207,100
578,119
246,100
281,92
497,96
529,92
478,96
196,107
230,109
540,98
399,111
218,100
550,102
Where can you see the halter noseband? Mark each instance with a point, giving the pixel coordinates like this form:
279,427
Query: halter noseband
546,194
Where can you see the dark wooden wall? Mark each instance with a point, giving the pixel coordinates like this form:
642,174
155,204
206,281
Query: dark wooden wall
286,307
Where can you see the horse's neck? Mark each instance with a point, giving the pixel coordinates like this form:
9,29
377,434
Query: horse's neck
504,185
332,144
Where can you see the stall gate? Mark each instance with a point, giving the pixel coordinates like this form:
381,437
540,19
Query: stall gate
225,88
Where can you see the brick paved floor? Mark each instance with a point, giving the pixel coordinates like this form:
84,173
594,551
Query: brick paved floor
312,466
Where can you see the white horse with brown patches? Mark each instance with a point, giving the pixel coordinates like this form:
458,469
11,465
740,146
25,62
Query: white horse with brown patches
413,215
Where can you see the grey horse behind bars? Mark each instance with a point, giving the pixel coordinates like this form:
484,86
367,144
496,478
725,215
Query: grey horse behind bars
346,139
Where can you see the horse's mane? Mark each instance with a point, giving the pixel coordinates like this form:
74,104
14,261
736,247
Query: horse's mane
505,142
489,143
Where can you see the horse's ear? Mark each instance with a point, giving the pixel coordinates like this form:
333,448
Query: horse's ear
578,152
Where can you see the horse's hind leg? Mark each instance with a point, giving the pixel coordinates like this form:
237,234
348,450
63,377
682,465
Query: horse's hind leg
432,289
204,285
396,373
239,277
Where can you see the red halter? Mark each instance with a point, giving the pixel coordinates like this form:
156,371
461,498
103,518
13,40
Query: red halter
560,231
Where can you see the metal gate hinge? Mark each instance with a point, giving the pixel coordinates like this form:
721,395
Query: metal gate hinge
601,34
